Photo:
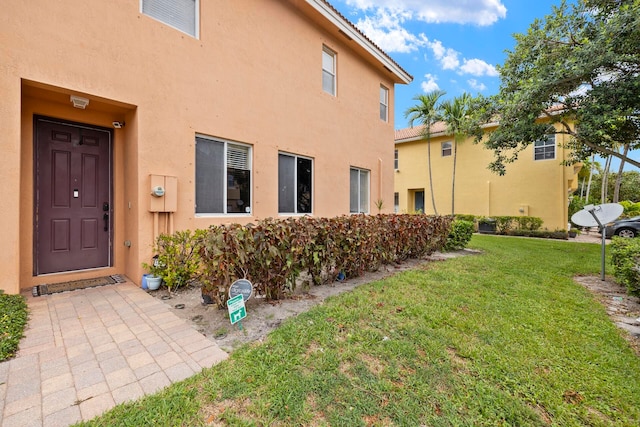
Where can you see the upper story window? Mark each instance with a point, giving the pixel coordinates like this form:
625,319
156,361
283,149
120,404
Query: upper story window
295,182
328,71
223,177
384,104
179,14
545,149
395,160
446,148
358,190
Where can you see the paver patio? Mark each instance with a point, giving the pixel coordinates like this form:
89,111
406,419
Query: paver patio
88,350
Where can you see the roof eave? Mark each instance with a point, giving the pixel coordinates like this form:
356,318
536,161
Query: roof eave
336,19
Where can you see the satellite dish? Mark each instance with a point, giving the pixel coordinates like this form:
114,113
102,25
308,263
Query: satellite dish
592,216
596,216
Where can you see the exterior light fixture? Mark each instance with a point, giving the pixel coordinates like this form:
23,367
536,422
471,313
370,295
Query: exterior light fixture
79,102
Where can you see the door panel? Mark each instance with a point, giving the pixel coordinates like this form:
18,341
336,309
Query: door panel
72,184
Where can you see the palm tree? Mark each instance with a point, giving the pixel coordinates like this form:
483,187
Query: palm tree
604,188
616,188
457,115
426,112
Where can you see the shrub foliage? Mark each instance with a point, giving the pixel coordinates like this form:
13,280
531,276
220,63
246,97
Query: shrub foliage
273,254
461,232
178,258
13,319
625,257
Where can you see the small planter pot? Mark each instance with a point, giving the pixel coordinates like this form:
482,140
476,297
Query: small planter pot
153,282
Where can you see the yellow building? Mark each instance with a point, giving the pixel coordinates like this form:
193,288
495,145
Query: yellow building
124,119
537,184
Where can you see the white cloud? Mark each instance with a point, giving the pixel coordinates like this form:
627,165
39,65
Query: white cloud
478,67
429,84
384,23
448,57
386,30
479,12
476,85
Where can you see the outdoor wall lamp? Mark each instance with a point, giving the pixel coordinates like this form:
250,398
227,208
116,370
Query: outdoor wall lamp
79,102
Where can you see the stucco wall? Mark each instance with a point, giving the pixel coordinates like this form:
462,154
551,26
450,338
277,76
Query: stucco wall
253,76
537,187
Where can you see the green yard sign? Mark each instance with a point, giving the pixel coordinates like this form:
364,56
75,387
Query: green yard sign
236,308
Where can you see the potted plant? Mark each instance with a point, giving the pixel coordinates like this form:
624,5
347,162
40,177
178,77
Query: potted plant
156,271
573,232
177,262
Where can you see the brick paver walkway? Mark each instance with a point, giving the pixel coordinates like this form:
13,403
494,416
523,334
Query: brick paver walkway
88,350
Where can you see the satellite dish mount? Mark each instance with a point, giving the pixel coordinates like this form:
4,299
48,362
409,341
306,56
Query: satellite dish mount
599,216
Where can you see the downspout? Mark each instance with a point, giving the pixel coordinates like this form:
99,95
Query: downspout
488,198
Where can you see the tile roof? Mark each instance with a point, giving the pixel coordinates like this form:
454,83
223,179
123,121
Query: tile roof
417,132
440,128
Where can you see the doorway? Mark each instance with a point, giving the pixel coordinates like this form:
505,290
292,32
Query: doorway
73,220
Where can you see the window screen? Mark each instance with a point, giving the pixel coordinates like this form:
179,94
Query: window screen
329,71
545,149
358,191
295,179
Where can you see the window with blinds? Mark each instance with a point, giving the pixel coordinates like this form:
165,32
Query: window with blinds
179,14
446,148
223,177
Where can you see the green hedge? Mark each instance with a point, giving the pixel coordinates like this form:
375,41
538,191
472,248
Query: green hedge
625,257
504,224
543,234
273,254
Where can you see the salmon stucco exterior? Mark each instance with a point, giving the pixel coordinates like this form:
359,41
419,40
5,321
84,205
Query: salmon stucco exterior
537,184
125,119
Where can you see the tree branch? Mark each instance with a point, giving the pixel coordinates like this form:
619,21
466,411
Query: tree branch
605,150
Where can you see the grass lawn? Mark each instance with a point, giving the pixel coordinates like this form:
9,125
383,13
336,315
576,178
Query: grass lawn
13,319
503,338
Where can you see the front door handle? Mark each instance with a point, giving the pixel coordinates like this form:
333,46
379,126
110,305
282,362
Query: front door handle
106,221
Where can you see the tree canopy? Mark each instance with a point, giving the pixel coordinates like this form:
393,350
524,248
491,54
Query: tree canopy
579,67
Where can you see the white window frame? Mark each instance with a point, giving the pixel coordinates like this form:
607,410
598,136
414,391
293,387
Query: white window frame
361,172
542,147
162,8
330,72
295,179
396,160
384,104
224,178
446,146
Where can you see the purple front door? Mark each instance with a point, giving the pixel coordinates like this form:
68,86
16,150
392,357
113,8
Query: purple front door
72,206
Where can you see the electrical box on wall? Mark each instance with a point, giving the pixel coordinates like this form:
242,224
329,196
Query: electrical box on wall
163,193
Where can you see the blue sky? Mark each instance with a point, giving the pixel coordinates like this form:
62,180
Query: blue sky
452,45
